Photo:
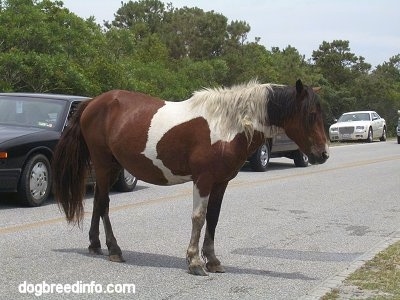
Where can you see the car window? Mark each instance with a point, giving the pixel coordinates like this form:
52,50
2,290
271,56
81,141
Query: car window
354,117
375,116
72,109
30,112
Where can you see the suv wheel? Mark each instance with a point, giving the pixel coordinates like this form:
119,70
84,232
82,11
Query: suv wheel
300,159
126,182
370,137
260,159
383,137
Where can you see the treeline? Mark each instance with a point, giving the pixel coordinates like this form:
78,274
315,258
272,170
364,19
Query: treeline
168,52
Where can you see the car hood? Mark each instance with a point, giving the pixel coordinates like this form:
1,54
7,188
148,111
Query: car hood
8,133
350,124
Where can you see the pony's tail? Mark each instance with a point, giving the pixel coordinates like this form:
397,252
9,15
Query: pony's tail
70,164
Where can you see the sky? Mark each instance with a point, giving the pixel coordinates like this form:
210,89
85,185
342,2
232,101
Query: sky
371,26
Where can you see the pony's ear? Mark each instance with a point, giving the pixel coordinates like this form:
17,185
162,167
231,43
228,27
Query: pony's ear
299,86
317,89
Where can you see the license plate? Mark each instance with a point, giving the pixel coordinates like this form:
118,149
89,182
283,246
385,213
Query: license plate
346,136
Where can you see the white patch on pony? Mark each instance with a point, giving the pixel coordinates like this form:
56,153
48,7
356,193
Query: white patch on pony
228,112
170,115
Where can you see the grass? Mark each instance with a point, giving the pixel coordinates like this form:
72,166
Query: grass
379,278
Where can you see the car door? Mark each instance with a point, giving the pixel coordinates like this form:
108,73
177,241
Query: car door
377,124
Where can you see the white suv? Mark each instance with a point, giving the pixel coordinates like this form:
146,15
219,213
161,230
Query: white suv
279,146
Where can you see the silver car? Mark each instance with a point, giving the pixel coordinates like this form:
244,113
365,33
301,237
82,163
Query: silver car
278,146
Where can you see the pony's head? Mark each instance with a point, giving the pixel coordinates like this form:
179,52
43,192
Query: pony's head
298,111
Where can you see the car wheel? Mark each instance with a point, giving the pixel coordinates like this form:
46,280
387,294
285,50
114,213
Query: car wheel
300,159
383,137
370,137
260,159
35,183
126,182
398,139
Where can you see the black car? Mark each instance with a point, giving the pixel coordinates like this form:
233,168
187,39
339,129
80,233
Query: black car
30,127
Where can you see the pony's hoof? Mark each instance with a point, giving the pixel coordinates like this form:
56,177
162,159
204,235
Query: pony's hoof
197,270
116,258
215,268
95,251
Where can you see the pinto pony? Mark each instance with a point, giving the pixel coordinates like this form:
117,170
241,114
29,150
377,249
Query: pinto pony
205,139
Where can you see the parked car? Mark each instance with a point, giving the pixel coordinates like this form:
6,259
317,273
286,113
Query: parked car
358,125
30,127
279,146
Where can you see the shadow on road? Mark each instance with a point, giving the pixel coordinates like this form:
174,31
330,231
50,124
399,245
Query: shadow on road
142,259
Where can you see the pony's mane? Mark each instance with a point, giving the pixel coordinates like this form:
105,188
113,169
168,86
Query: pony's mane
282,106
241,108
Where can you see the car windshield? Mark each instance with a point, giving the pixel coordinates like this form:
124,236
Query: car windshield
30,112
354,117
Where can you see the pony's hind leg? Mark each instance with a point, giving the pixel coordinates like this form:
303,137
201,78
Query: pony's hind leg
213,265
105,176
114,251
95,246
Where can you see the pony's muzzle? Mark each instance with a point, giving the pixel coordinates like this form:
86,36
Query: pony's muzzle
319,158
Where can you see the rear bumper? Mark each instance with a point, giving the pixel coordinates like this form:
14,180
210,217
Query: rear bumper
9,179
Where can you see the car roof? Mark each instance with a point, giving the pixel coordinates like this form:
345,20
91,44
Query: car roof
46,96
358,112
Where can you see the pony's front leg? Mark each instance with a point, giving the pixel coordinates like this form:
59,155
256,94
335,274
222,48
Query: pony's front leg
213,264
198,219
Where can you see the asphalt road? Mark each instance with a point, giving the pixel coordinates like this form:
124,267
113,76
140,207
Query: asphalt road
281,234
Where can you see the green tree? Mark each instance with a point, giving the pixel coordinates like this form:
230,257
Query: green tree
237,33
45,48
169,53
143,17
191,32
337,64
288,65
380,91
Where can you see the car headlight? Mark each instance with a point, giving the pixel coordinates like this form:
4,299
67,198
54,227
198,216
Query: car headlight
360,128
333,129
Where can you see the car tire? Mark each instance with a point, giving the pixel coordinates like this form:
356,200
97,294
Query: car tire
398,139
260,159
370,137
383,137
300,159
35,183
126,182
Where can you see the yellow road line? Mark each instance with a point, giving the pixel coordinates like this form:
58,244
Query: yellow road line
26,226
